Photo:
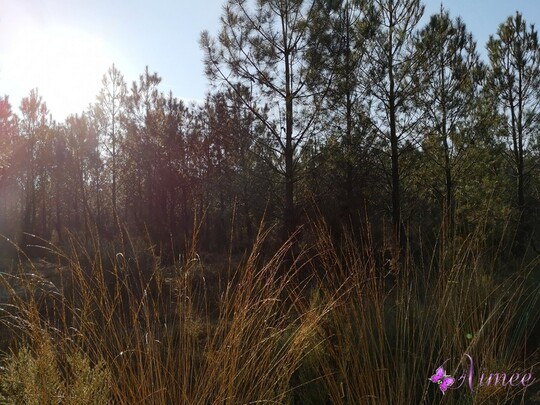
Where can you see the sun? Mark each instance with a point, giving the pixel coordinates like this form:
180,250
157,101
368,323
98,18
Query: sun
65,64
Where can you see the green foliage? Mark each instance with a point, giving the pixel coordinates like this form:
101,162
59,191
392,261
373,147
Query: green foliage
44,376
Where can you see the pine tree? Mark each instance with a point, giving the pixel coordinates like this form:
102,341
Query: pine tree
449,76
262,46
515,81
393,62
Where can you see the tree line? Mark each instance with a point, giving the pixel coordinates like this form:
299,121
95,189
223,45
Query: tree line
352,111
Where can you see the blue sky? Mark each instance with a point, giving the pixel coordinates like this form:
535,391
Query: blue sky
63,47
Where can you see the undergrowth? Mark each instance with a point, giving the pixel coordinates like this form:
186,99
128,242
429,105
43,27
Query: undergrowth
338,325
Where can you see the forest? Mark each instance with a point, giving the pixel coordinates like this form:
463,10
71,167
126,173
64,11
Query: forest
356,201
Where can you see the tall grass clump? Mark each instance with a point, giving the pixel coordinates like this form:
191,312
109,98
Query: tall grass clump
337,325
400,320
150,332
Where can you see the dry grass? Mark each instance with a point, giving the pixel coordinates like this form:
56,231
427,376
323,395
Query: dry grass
124,329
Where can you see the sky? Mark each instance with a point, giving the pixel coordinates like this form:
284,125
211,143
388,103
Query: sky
63,47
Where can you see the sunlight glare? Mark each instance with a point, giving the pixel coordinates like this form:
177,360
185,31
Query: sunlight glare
64,64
